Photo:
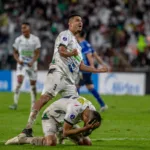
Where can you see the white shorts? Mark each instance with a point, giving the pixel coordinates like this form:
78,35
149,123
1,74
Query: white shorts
30,71
56,83
50,126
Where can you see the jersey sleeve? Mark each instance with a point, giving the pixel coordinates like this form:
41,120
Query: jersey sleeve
38,43
70,116
64,39
16,44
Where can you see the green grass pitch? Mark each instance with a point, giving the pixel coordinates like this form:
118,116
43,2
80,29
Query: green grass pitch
125,126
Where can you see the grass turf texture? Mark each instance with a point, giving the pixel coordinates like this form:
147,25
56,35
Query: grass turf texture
125,126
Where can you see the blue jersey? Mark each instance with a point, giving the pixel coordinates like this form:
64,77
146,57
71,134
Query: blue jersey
86,48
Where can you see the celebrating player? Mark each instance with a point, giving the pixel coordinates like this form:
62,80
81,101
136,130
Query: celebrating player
26,52
61,118
88,52
64,69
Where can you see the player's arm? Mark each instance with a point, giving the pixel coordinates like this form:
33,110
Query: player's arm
16,56
85,68
36,56
98,58
68,130
64,53
90,59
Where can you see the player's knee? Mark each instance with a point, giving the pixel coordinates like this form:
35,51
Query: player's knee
87,141
49,142
19,79
45,98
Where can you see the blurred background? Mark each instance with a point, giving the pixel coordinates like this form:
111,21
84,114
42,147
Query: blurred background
119,30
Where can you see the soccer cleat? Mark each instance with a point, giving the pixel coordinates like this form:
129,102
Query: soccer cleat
105,107
14,106
17,139
27,132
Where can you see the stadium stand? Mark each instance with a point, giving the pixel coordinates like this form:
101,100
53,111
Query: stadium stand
119,30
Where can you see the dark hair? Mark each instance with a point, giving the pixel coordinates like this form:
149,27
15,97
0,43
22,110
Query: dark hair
73,15
95,117
82,33
26,23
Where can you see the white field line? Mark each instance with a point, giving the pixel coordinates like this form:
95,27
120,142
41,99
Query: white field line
122,139
113,139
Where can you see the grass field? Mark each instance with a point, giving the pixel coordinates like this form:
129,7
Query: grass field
125,126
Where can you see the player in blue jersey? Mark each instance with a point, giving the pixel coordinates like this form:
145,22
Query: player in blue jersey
88,53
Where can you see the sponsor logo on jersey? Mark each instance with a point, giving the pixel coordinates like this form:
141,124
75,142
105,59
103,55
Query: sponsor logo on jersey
64,38
72,116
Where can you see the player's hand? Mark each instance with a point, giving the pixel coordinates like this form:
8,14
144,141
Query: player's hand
20,62
30,64
93,125
74,52
103,69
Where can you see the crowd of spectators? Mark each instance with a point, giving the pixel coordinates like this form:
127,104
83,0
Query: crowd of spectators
119,30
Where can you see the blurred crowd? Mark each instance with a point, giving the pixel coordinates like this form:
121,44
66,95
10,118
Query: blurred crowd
119,30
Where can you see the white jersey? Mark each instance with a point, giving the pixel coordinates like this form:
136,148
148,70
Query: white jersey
26,47
68,109
69,66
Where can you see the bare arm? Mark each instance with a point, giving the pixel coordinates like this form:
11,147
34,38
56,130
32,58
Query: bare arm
16,56
64,53
83,67
90,59
68,130
98,58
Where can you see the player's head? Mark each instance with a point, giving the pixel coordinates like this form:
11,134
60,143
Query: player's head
25,29
91,116
75,23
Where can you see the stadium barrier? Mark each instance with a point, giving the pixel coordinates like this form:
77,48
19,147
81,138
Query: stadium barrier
105,83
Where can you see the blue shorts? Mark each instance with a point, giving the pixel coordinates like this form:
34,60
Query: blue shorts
87,79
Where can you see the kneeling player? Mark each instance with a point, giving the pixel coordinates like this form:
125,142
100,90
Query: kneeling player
62,116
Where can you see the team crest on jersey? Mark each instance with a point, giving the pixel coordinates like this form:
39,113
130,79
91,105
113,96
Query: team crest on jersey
72,116
64,38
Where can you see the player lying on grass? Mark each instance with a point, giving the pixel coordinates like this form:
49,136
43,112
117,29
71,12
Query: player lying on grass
61,117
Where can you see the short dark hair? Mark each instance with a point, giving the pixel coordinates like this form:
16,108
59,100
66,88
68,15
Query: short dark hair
82,33
26,23
95,117
73,15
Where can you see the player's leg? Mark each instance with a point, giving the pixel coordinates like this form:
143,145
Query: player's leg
81,83
20,77
50,128
90,87
33,92
53,84
32,74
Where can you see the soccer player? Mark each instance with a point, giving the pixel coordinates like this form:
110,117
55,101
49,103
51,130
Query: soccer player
88,52
26,52
63,70
61,118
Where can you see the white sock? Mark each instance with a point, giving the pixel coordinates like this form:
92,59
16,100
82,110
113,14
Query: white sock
17,93
33,95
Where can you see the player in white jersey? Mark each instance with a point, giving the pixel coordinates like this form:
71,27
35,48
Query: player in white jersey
26,52
64,69
61,118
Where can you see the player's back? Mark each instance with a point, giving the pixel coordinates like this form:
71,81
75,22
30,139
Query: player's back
65,107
